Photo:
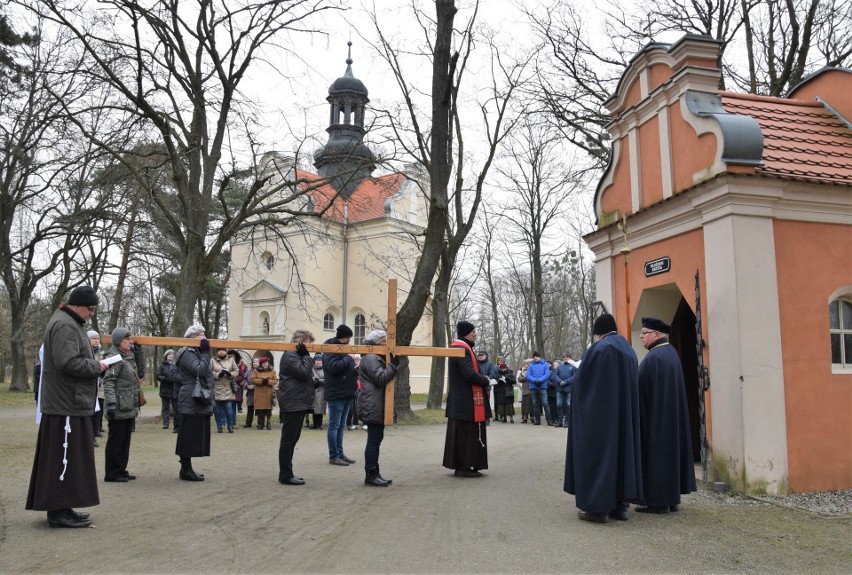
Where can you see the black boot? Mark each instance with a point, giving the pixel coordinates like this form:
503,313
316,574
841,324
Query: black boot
186,471
379,474
318,421
374,479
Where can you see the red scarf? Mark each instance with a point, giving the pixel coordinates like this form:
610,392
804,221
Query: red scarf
478,396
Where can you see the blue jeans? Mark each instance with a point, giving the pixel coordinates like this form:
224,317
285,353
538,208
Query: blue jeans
223,411
563,402
337,411
539,398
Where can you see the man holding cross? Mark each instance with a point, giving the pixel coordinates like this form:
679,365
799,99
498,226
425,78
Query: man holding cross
466,448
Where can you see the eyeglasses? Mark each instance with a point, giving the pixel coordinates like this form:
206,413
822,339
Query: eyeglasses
641,333
92,308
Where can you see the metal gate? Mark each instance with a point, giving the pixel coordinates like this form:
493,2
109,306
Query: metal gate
703,379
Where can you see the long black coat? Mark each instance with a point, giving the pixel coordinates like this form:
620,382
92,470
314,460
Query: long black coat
603,458
667,466
461,378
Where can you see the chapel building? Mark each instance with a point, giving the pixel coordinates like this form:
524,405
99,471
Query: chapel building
729,216
334,269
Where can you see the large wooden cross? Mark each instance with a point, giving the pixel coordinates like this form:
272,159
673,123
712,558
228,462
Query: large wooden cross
386,350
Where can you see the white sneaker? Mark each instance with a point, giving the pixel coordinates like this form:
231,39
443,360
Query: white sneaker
351,428
364,428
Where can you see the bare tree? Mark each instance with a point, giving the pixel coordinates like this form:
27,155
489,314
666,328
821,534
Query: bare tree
541,186
178,70
452,206
47,210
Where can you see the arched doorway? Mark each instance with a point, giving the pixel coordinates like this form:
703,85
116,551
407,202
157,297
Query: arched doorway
668,304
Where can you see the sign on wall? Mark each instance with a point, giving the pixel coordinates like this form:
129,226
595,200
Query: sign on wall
658,266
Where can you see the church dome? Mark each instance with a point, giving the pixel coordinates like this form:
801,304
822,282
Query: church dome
348,82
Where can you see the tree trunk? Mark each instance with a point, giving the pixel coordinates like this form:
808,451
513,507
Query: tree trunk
191,277
440,311
20,370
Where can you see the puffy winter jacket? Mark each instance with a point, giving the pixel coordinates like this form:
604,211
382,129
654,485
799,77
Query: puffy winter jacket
121,386
538,374
375,375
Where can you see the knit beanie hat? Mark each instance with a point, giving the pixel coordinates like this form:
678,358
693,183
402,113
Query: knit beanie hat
92,333
119,334
343,331
168,351
463,328
604,324
83,296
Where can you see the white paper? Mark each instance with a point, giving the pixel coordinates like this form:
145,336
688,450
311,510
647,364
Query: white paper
574,363
113,359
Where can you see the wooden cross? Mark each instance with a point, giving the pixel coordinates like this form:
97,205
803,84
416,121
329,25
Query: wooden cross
386,350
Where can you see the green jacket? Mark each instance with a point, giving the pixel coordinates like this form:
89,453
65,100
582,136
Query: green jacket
121,386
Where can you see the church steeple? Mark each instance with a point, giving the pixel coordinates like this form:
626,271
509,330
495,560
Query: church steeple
345,160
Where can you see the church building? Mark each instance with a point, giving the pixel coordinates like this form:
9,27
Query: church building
729,216
334,269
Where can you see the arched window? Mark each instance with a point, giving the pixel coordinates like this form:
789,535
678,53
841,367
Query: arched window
360,329
840,328
328,322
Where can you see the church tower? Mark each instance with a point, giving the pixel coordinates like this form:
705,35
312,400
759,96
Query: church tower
345,160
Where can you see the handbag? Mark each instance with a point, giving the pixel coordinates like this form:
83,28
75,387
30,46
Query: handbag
200,393
142,400
234,386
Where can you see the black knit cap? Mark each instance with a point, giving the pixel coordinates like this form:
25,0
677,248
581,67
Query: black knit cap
463,328
604,324
343,331
83,296
656,325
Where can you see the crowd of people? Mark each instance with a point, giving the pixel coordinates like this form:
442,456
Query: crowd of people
613,407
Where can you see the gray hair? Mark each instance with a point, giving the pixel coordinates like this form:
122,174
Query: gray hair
194,330
300,335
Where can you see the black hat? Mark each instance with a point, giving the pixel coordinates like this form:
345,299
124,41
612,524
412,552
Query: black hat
463,328
83,296
604,324
655,324
343,331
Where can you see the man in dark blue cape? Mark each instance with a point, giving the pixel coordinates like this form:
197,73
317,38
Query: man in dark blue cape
603,466
667,464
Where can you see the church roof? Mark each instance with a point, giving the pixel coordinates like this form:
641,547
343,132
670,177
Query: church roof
802,141
367,202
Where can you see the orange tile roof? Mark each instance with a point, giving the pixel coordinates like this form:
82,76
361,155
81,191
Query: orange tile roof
366,203
801,140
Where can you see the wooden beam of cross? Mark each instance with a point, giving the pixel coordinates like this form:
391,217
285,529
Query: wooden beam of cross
386,350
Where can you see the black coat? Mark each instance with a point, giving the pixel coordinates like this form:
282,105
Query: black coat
167,384
667,464
461,378
191,364
505,387
296,382
603,458
341,379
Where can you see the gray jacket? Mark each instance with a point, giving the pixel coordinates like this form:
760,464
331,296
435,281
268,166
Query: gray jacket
296,382
69,382
375,375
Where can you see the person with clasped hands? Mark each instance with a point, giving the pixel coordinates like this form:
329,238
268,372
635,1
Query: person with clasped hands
121,392
64,473
193,365
295,396
265,383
